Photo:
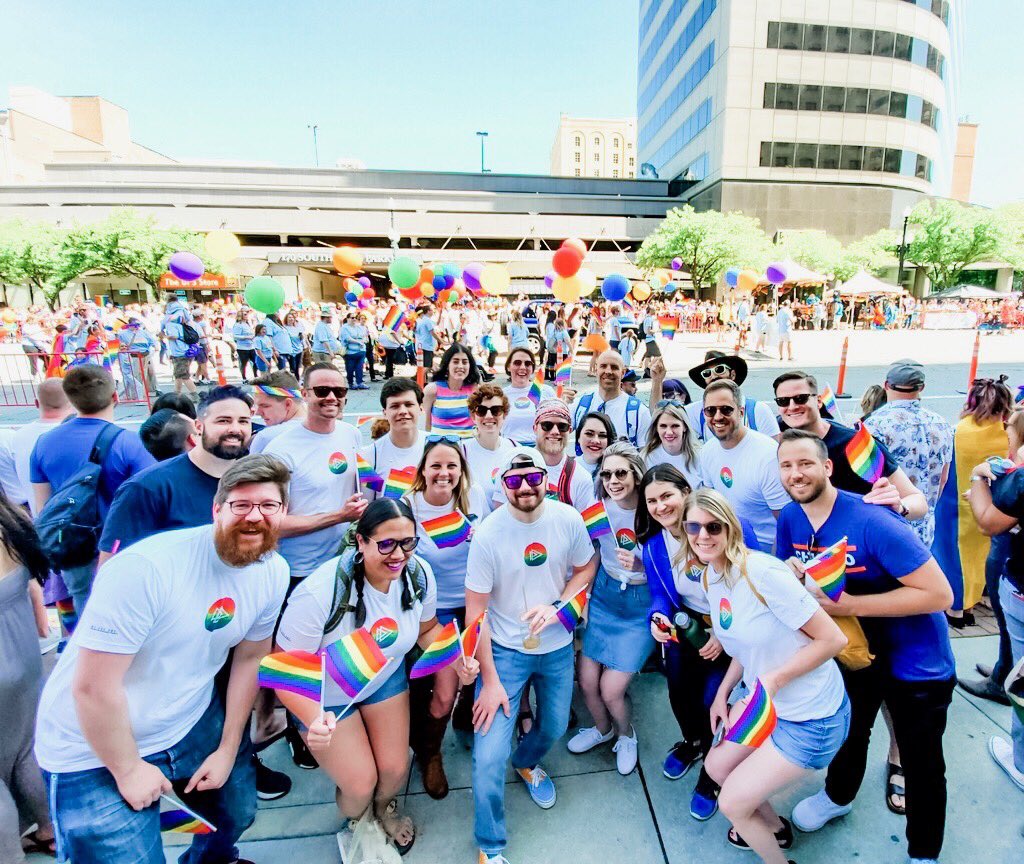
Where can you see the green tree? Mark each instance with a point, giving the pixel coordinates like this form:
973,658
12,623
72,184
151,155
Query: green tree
950,236
873,253
709,243
31,253
815,250
1012,216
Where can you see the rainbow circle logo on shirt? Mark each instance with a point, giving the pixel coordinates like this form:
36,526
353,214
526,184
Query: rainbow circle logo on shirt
384,632
535,554
725,613
220,614
337,463
522,403
625,539
694,570
725,475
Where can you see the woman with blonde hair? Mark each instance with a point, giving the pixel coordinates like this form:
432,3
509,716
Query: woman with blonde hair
670,441
782,643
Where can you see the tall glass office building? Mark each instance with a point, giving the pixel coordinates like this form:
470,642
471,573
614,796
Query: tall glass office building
832,114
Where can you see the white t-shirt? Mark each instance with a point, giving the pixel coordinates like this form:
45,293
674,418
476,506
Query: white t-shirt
748,477
323,476
302,624
616,411
448,564
269,433
178,608
521,411
8,472
524,565
691,472
22,443
623,536
484,464
384,456
763,637
765,420
687,577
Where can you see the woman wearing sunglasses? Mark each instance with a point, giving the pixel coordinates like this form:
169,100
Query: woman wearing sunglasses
445,399
376,583
670,441
593,436
779,640
521,366
487,451
617,640
442,488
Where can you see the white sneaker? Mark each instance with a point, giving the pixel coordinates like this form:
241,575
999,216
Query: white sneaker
1002,752
625,753
345,840
811,813
588,739
492,859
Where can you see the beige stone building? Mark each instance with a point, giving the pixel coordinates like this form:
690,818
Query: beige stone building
594,147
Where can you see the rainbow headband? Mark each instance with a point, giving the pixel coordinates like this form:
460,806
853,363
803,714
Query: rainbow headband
280,392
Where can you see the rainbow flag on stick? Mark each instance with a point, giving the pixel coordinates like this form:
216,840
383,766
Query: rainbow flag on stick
668,324
470,637
449,530
367,476
828,570
570,612
595,517
536,387
828,402
354,661
399,482
394,319
866,457
178,819
757,720
443,651
296,672
563,373
67,615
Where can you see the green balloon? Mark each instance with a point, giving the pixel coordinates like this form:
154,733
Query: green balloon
404,272
264,294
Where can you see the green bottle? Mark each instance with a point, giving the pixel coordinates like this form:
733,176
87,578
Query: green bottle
690,629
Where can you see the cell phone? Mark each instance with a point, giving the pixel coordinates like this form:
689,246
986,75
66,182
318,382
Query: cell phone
719,735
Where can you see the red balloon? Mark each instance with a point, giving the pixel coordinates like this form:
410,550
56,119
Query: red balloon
566,261
368,294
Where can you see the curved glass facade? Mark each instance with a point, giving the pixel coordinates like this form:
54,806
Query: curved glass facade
850,100
676,53
694,75
939,8
845,157
687,131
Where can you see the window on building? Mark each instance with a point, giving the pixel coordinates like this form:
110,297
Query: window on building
632,162
615,158
577,157
810,97
615,172
597,174
597,141
629,145
862,40
806,155
929,114
815,37
766,154
891,161
791,36
786,96
630,174
852,157
878,102
576,172
904,47
828,157
839,40
923,171
833,98
856,100
897,104
597,157
616,142
578,141
783,154
874,158
769,95
885,43
773,34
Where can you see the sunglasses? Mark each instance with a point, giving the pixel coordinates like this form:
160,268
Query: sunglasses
447,438
324,392
720,369
548,425
406,544
514,481
799,399
527,363
712,410
618,474
713,528
493,410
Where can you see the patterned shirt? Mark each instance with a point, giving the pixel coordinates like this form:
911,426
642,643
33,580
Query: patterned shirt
921,442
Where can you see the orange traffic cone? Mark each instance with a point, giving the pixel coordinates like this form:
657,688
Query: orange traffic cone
221,380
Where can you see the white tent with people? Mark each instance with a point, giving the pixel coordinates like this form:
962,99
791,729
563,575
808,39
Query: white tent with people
863,284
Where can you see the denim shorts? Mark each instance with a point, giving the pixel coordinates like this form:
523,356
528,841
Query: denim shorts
813,744
397,683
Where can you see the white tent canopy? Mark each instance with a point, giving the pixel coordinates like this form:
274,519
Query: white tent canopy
967,292
796,274
863,284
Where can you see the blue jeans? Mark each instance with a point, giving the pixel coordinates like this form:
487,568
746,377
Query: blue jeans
354,368
95,825
1013,609
79,584
994,564
551,675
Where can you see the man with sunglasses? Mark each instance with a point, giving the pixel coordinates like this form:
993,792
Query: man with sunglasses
321,455
401,448
526,558
740,462
630,417
719,366
552,428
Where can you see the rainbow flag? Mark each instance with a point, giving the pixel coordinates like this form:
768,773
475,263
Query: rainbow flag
470,637
67,615
757,720
394,319
866,458
570,612
443,651
399,482
110,353
180,820
627,303
297,672
354,661
828,402
828,570
668,324
363,419
449,530
536,390
367,476
563,373
595,517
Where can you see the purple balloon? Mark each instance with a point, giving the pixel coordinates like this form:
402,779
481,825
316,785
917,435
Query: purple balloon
365,281
471,276
186,266
549,280
776,274
677,263
449,280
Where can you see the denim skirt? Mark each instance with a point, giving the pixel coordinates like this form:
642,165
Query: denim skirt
813,744
618,635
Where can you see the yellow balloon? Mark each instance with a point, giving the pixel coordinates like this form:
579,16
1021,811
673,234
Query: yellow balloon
494,279
588,281
222,245
641,291
566,288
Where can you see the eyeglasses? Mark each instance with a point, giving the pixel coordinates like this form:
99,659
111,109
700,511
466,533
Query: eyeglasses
527,363
514,481
324,392
447,438
548,425
493,410
618,474
720,369
665,403
713,528
244,508
799,399
712,410
406,544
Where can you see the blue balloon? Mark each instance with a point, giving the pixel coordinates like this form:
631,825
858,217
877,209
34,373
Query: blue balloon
614,287
351,296
732,276
438,281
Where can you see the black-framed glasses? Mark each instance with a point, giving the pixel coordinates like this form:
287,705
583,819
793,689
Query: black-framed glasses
514,481
244,508
548,425
445,438
406,544
719,369
665,403
322,392
493,410
618,474
714,527
798,399
711,410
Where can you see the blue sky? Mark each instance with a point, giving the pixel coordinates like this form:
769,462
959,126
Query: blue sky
405,84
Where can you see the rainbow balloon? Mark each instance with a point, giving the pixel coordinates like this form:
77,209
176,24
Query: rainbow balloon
367,476
828,570
296,672
354,661
443,651
570,612
595,517
866,457
756,722
399,482
448,530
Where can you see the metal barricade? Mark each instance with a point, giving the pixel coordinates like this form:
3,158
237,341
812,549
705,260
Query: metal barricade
21,372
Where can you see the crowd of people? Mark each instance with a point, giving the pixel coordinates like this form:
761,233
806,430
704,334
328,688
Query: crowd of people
254,518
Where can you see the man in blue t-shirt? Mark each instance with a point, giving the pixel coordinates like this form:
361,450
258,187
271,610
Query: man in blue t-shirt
896,590
426,341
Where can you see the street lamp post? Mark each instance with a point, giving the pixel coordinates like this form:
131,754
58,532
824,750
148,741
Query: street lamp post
316,150
903,246
482,136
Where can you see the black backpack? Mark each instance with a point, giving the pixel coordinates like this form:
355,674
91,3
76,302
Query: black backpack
189,334
69,524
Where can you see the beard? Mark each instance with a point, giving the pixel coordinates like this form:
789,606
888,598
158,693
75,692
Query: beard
528,503
811,494
234,546
235,448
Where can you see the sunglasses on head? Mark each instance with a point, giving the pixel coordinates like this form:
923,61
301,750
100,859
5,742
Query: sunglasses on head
406,544
548,425
324,392
712,410
719,369
447,438
493,410
799,399
514,481
618,474
714,528
664,403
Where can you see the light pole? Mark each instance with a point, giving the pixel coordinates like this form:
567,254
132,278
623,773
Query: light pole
903,245
482,136
316,150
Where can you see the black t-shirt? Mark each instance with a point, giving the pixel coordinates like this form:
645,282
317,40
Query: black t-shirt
843,476
1008,497
168,495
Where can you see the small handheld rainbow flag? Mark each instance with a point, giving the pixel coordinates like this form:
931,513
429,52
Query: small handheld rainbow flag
563,373
668,324
367,476
393,320
178,819
828,570
595,517
627,303
828,402
865,455
570,612
111,352
756,722
363,419
354,661
67,615
448,530
296,672
536,388
470,637
443,651
399,482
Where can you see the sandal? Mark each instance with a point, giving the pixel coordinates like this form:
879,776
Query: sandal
895,788
784,836
395,824
33,844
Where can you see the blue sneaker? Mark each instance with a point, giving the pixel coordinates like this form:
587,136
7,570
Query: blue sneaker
540,786
702,806
681,758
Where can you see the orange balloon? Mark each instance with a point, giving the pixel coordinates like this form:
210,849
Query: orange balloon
347,261
641,291
426,290
597,343
426,275
577,244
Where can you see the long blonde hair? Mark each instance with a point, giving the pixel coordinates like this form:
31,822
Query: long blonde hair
460,494
654,439
735,551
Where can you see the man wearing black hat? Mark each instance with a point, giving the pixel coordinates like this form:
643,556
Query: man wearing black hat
718,366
